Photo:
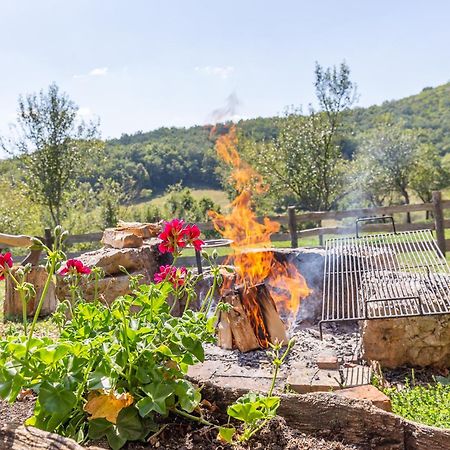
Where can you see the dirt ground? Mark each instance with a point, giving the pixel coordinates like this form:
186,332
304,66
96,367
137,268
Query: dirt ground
184,435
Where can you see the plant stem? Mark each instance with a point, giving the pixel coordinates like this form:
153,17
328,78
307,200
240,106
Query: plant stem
24,310
192,417
51,272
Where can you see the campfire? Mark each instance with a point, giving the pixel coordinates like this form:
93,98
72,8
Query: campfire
263,288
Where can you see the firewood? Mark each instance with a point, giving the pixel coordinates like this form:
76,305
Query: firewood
224,333
243,335
274,325
121,239
12,306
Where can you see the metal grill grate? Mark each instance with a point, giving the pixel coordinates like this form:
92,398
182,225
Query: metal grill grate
384,276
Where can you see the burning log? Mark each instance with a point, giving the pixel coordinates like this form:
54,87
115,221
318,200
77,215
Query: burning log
252,323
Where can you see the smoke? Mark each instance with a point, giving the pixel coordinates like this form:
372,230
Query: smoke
228,111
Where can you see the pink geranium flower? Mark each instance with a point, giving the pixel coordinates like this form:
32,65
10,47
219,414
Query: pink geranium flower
175,276
6,262
176,235
192,236
74,266
172,236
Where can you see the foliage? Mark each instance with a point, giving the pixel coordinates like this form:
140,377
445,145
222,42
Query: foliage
424,404
110,196
305,158
114,371
54,148
391,160
256,409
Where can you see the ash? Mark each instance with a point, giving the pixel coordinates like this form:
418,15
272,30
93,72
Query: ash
342,341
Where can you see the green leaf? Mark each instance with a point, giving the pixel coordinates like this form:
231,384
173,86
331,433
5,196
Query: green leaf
98,428
129,424
56,398
157,394
99,379
226,434
194,346
188,397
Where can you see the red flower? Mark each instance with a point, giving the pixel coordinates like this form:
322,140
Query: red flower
192,234
6,262
74,266
175,276
172,236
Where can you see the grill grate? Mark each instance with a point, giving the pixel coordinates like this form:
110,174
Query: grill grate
382,276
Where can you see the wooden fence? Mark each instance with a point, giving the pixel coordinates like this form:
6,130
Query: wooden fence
292,222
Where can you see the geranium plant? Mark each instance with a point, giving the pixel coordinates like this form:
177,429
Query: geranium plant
117,370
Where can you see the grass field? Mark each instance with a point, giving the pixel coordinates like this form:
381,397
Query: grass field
217,196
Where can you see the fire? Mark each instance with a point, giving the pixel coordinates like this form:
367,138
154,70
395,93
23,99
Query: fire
254,264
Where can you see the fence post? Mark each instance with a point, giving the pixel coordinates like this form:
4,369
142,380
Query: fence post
292,226
48,238
320,235
439,220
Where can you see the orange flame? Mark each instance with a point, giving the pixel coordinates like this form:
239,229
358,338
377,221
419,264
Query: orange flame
251,257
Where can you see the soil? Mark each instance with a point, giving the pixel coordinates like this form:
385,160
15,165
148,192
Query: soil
185,435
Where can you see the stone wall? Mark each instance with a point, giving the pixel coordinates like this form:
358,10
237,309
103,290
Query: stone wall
413,341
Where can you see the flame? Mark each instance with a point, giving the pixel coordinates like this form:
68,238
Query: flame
254,264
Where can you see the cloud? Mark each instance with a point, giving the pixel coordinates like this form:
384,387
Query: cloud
96,72
99,71
223,72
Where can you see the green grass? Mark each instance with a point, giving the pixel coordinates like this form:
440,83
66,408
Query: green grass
217,196
428,404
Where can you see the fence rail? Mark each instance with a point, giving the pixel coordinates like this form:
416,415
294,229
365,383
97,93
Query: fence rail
289,223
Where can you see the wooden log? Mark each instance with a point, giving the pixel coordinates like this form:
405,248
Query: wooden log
272,320
224,333
351,421
121,239
15,437
12,306
243,335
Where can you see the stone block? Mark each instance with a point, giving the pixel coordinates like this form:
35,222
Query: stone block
121,239
422,341
370,393
327,361
305,380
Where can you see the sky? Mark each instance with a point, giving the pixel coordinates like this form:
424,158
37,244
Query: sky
143,64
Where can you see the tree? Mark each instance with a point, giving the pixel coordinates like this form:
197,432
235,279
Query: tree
53,147
429,174
389,155
305,159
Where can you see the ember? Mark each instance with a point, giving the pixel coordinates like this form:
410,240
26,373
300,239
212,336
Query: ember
284,286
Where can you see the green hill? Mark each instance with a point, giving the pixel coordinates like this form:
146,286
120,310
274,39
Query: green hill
167,156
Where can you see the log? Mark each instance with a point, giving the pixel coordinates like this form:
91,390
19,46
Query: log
121,239
15,437
272,320
351,421
224,333
244,337
12,306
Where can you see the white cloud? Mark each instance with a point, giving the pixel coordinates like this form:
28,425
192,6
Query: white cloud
96,72
216,71
99,71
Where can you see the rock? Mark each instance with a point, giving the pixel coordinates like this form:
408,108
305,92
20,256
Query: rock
422,341
121,239
327,361
370,393
147,258
304,380
12,305
144,230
